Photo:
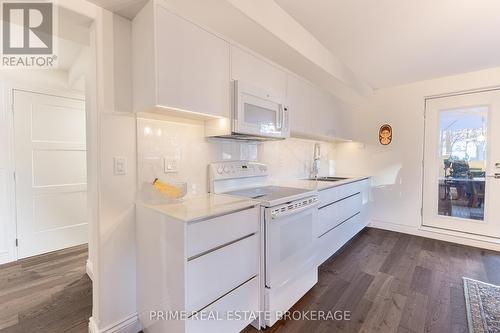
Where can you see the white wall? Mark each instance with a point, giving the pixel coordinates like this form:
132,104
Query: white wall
397,168
6,207
114,302
292,158
186,142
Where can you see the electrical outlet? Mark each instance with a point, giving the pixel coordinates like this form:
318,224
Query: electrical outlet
170,165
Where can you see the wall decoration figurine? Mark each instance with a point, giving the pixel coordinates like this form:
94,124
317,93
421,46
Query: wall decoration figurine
385,134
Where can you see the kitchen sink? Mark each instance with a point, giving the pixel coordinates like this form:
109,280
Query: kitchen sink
329,179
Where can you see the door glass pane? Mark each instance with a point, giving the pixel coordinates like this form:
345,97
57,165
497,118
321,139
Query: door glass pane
462,166
264,118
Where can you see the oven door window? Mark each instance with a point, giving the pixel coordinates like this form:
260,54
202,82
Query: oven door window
290,248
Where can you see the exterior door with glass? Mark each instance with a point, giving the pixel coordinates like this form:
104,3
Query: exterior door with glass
462,163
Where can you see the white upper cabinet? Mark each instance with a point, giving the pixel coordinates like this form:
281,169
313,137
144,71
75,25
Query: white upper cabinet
299,101
259,73
315,114
183,70
322,114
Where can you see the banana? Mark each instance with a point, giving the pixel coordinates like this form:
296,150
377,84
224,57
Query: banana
167,189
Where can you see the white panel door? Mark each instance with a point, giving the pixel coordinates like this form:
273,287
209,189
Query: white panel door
462,163
51,175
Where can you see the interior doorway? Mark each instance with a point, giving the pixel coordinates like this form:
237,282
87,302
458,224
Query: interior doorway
51,177
44,180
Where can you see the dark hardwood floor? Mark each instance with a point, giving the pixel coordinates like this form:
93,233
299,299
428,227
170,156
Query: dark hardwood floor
46,293
392,282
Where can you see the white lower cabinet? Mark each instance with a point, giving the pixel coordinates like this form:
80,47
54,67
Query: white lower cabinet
215,273
201,276
335,213
233,306
342,213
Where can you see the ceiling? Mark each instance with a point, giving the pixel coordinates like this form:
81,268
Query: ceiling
125,8
73,34
391,42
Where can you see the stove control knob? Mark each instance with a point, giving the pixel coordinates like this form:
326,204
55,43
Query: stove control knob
219,170
226,169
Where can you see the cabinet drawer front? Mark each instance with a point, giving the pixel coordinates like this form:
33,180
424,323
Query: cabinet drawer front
332,215
336,193
244,298
333,240
214,274
206,235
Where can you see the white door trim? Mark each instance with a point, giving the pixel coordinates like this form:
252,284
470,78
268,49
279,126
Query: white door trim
94,102
483,241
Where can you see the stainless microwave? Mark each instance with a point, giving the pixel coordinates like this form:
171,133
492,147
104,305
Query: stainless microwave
255,115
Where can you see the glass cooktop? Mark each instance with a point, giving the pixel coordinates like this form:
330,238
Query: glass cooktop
272,194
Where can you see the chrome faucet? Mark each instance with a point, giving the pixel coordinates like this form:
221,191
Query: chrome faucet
316,161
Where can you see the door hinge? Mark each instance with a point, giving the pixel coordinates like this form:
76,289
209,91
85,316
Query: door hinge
17,242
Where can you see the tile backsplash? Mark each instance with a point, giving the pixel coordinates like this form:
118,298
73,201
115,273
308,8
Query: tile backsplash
185,143
292,158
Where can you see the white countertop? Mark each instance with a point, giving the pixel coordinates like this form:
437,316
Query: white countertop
202,207
318,185
211,205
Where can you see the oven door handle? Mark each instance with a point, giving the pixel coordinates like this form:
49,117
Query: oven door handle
295,211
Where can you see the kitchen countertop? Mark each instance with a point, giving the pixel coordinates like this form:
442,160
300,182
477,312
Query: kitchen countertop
318,185
202,207
212,205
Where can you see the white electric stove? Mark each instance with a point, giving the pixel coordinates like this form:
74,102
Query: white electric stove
289,216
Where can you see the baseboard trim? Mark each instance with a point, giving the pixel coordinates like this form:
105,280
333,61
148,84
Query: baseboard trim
439,234
93,326
128,324
89,269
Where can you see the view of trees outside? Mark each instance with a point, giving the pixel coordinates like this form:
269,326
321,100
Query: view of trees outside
463,137
463,155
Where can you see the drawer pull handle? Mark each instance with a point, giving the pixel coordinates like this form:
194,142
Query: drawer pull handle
331,203
338,225
219,247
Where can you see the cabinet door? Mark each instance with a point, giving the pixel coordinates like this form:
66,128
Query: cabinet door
329,115
192,65
320,116
337,111
251,69
299,102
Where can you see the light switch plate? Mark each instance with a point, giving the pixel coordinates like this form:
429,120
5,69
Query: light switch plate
119,165
170,165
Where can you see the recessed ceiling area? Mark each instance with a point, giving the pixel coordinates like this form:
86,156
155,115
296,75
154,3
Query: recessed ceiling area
384,43
391,42
125,8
